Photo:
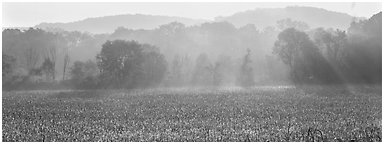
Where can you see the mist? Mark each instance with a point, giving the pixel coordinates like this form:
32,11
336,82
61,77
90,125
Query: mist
196,53
192,72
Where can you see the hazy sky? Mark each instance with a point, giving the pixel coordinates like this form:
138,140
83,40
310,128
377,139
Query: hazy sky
31,14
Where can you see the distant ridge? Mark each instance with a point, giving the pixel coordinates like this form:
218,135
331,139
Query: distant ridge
260,17
108,24
314,17
20,28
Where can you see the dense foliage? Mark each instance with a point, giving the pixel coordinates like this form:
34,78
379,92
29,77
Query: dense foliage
333,56
304,59
128,64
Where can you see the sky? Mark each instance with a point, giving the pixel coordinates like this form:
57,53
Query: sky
23,14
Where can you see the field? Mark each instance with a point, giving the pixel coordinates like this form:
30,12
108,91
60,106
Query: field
198,114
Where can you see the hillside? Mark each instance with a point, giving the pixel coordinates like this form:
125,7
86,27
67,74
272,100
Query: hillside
262,17
108,24
314,17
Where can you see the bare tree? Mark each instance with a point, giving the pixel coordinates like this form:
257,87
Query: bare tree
72,40
32,57
66,63
50,54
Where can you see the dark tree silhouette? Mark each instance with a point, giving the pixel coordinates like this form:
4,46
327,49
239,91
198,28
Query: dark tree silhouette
129,64
297,51
119,63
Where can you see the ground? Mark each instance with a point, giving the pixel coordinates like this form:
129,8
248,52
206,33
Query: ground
194,114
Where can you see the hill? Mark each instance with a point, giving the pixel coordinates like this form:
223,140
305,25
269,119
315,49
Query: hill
261,17
108,24
314,17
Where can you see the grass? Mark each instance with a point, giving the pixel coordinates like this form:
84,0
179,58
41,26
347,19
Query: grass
225,114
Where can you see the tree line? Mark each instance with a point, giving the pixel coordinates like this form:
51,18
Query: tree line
333,56
300,55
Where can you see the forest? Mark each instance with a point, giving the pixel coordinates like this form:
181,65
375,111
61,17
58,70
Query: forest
211,54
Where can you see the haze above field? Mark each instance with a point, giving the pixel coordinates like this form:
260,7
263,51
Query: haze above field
82,16
201,72
192,44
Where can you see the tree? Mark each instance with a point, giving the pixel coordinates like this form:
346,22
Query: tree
170,36
180,71
304,59
295,49
202,74
31,47
32,55
11,40
12,76
288,23
7,67
48,68
363,55
225,70
66,63
186,69
154,67
339,47
50,61
72,40
119,63
77,71
216,73
84,74
245,77
287,46
331,43
176,69
129,64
